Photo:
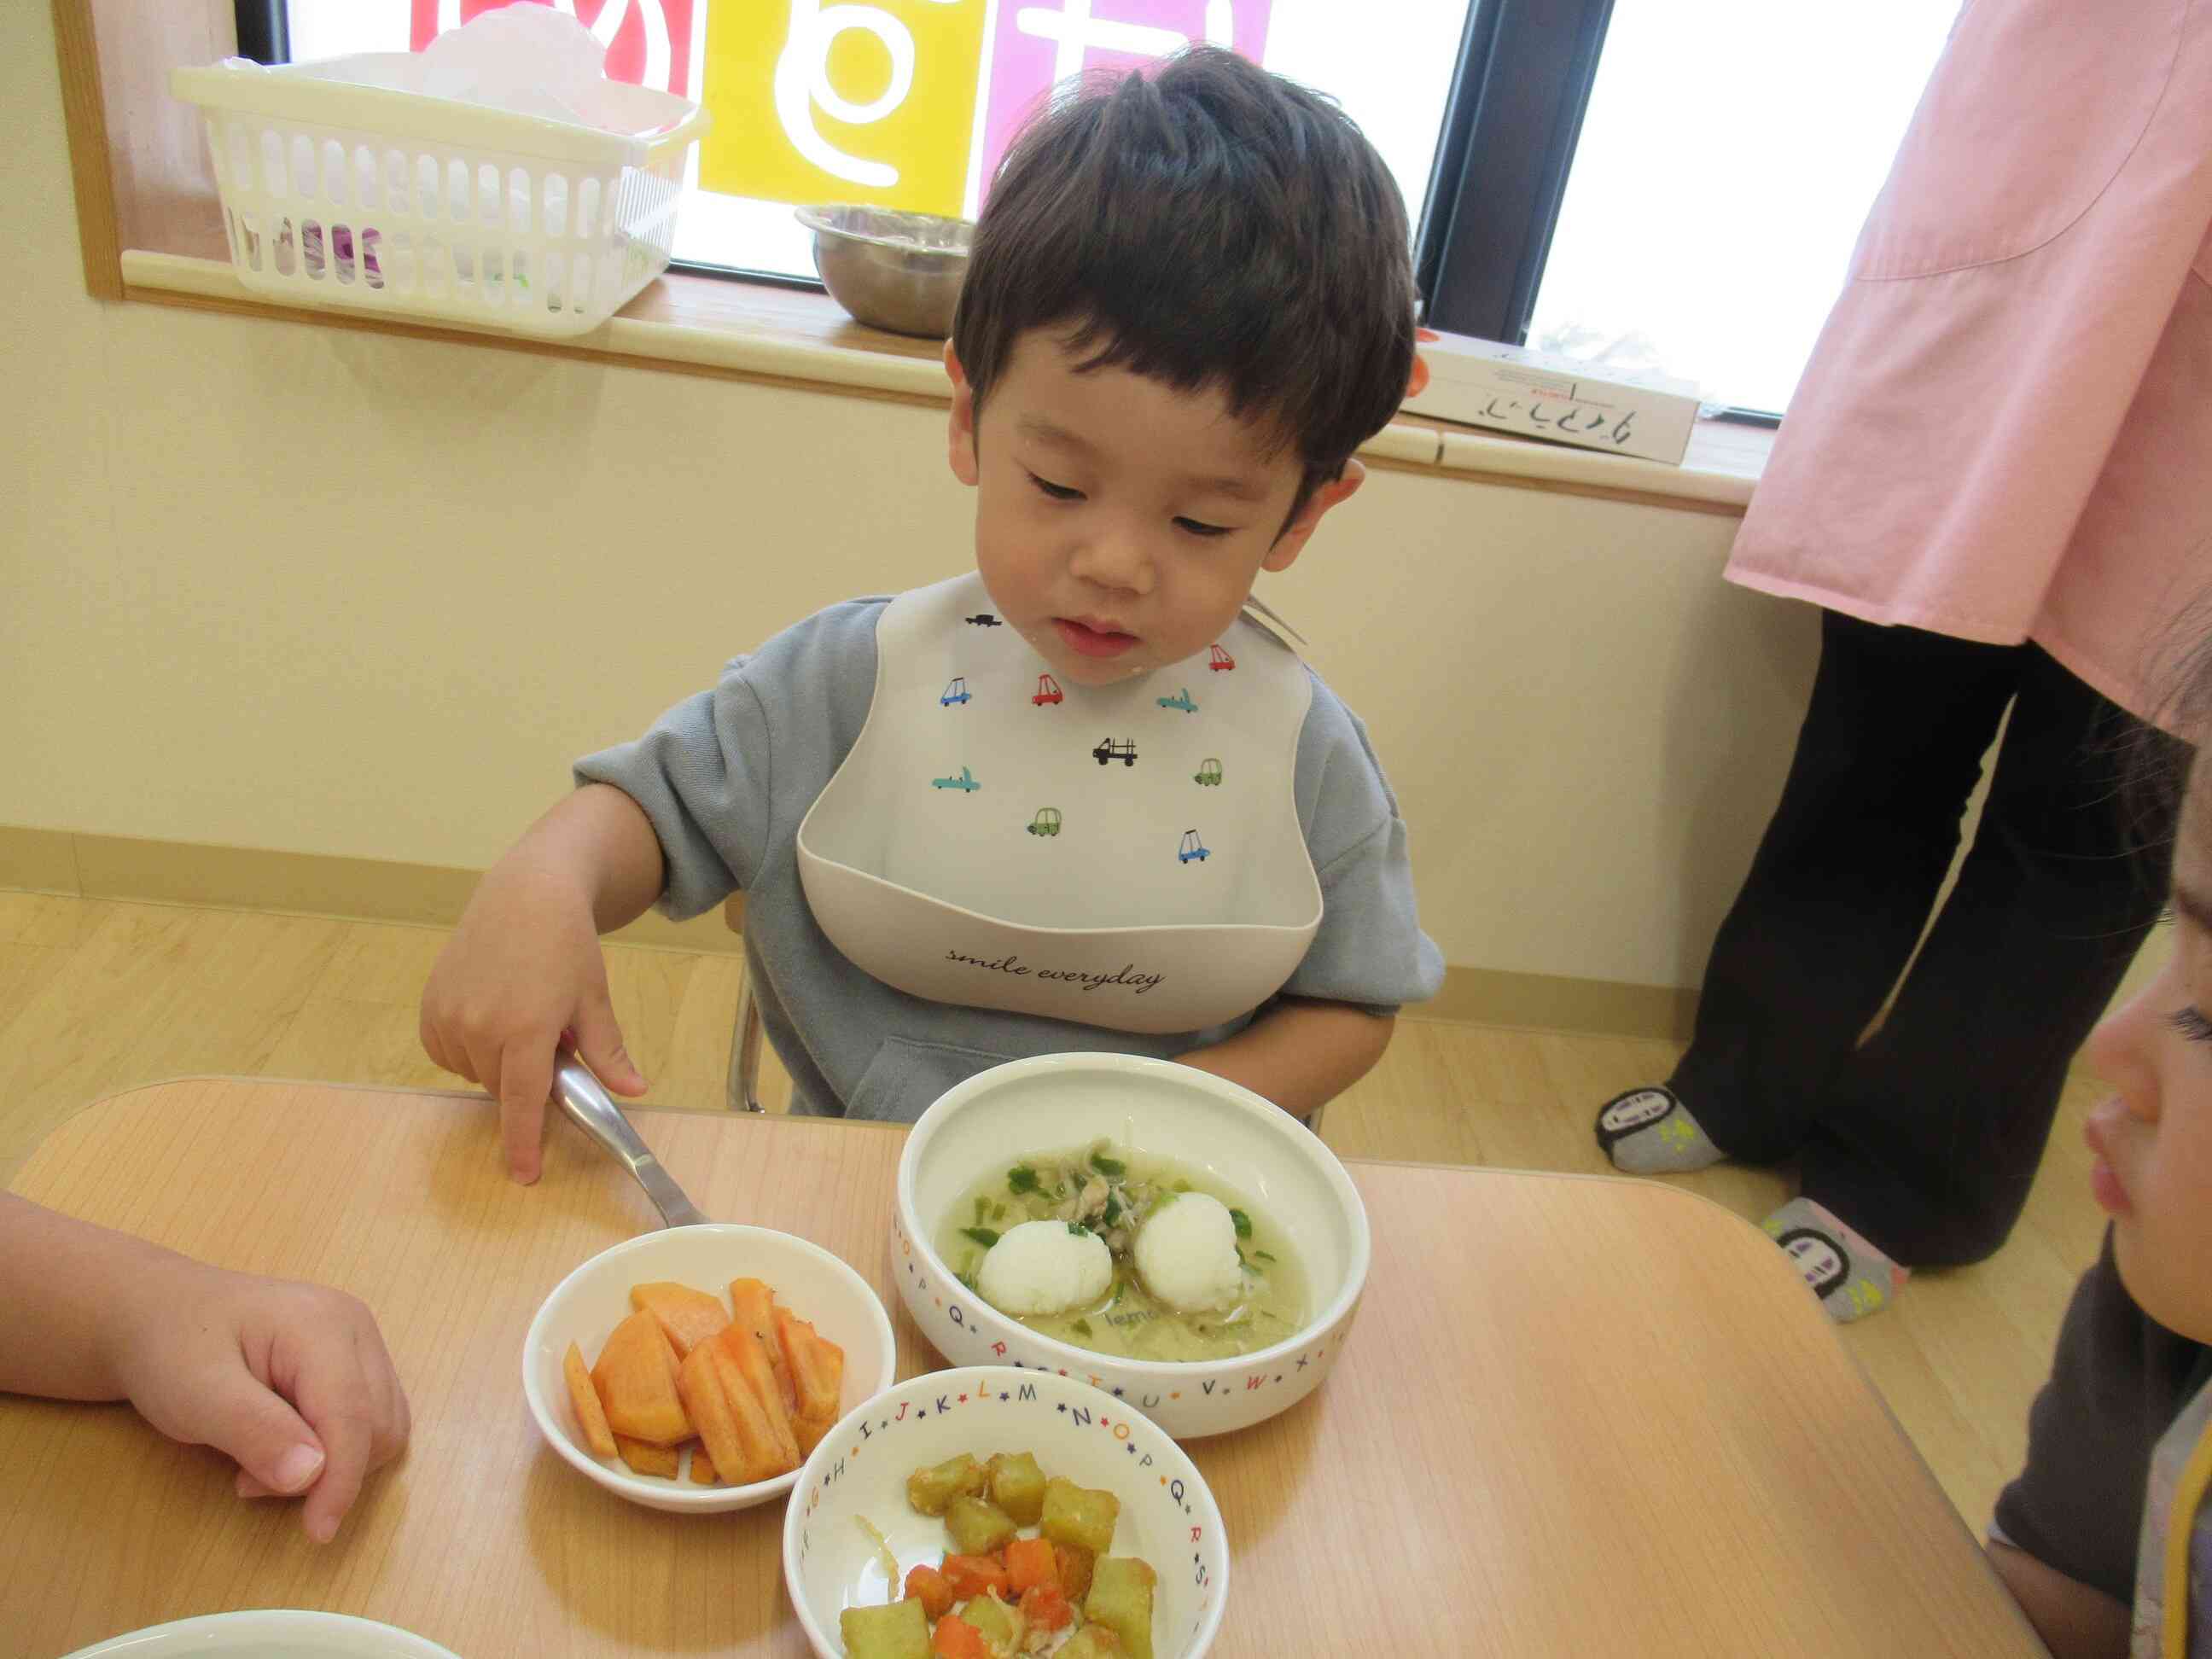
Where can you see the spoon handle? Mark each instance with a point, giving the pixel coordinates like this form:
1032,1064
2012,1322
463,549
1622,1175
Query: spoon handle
595,1112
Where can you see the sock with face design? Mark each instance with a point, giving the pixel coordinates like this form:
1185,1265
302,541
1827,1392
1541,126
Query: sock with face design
1650,1132
1851,1276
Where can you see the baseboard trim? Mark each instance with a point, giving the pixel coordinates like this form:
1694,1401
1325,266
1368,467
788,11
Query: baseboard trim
426,895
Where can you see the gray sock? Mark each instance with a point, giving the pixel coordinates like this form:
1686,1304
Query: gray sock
1650,1132
1851,1277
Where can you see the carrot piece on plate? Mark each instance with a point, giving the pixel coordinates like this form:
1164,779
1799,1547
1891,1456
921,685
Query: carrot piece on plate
1043,1607
927,1585
974,1575
954,1638
689,1316
1031,1562
591,1416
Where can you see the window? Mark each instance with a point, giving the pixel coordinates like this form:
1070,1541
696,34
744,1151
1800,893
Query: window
1668,183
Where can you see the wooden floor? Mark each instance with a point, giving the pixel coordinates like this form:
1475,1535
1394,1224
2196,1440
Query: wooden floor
97,996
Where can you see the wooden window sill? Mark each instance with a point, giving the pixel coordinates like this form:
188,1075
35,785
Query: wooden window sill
151,231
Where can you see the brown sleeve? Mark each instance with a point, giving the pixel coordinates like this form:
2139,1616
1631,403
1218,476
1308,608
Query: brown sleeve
2116,1380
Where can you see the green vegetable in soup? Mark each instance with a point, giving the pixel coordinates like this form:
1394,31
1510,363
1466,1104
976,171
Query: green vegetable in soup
1112,1168
1016,1486
983,1236
1122,1599
1242,1222
977,1525
899,1630
1077,1515
929,1490
1021,1179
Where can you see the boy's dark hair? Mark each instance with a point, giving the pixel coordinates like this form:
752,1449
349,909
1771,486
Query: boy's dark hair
1205,223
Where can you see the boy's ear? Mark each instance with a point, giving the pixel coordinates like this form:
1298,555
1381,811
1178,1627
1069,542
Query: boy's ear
1292,541
960,433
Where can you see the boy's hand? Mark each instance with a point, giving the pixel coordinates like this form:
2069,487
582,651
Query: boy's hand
291,1380
523,969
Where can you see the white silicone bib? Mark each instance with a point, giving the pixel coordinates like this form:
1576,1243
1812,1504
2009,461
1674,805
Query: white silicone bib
1127,857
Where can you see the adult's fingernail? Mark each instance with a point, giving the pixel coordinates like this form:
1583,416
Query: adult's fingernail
297,1467
323,1529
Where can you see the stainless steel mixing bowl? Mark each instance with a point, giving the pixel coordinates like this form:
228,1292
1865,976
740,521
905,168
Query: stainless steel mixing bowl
900,272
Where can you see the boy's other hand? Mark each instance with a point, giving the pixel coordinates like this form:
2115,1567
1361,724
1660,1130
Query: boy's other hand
291,1380
523,969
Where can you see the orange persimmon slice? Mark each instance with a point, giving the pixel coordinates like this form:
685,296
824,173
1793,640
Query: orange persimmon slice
753,1303
646,1458
689,1316
769,1449
702,1467
591,1416
817,1376
701,1385
636,1381
750,1360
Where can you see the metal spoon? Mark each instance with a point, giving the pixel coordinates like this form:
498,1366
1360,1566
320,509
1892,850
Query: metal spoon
595,1112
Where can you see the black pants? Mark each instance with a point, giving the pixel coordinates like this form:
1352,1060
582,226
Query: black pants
1926,1137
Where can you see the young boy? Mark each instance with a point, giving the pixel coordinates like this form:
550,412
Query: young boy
2110,1507
1189,301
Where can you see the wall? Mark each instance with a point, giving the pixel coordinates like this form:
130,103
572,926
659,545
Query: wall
277,587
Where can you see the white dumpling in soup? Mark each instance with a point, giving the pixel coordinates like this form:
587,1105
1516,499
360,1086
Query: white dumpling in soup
1187,1255
1045,1267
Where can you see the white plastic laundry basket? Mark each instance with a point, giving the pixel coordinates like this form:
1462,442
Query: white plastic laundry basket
343,184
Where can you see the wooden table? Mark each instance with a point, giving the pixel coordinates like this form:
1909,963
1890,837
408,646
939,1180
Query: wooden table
1577,1416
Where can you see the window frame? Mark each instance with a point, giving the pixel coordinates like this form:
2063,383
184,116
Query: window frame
1514,115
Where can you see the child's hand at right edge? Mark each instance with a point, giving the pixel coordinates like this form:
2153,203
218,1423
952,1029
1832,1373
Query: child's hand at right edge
524,967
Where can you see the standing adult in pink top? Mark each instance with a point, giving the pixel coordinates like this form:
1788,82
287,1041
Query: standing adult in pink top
1996,478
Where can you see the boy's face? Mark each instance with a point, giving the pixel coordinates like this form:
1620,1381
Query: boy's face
2154,1138
1120,522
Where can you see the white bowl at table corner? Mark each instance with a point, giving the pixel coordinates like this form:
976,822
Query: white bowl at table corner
268,1633
592,1301
1168,1519
1056,1100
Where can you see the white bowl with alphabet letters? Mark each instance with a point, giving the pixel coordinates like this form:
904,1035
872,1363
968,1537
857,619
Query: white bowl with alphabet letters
1168,1518
1229,1138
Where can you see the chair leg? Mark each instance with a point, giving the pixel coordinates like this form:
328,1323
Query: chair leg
745,1054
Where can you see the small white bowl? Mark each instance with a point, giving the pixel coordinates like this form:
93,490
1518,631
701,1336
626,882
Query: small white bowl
1169,1518
592,1301
1250,1145
268,1633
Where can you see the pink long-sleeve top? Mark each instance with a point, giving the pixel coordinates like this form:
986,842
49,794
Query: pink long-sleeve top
2005,430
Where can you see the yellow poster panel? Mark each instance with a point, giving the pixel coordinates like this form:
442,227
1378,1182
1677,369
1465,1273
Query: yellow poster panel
843,102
